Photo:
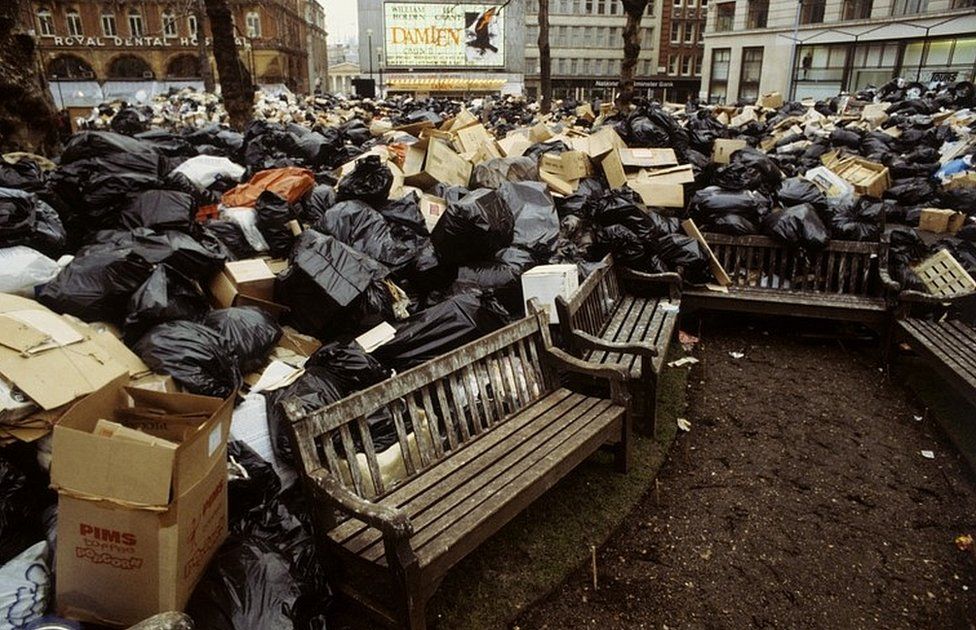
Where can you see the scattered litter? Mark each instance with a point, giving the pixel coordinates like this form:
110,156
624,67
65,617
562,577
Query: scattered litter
928,454
737,355
917,418
684,425
686,339
683,361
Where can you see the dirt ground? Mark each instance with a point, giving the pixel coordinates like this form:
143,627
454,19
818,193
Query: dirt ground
800,498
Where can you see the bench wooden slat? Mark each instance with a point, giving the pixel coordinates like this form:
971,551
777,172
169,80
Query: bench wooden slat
421,431
370,450
621,332
954,340
464,500
446,414
423,492
401,432
352,462
433,421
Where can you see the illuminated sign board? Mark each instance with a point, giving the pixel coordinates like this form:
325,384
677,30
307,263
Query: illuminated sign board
448,35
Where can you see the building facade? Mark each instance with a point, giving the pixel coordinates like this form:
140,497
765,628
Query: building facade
818,48
587,49
317,46
682,48
442,47
95,50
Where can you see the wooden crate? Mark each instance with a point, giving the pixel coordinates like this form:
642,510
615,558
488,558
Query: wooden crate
942,275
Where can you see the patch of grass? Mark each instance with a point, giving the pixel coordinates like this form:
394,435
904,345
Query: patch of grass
535,552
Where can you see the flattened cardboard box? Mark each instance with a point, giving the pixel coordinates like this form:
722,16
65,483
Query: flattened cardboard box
138,523
723,148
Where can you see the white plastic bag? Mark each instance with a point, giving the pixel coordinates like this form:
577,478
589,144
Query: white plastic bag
23,268
203,170
25,587
247,219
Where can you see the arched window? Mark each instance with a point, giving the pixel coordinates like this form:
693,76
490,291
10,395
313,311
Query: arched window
129,67
169,23
135,23
45,21
183,67
109,27
253,22
69,67
73,18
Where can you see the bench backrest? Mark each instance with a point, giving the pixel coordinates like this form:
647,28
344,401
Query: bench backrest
844,267
594,301
435,408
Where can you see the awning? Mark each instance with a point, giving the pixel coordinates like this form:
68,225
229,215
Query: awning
445,84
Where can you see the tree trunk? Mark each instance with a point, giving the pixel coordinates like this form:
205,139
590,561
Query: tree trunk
236,86
634,9
28,117
545,58
206,72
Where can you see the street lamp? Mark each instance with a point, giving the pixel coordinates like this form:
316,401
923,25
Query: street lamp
369,50
379,62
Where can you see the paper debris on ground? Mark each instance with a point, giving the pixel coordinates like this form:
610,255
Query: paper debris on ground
684,425
683,361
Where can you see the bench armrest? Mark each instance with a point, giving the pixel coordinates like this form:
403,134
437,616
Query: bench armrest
391,521
668,277
586,340
566,362
886,280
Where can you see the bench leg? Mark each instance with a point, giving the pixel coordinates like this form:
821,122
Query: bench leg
410,599
621,457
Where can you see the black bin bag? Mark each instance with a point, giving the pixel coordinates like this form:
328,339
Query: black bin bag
249,330
369,181
160,210
26,220
350,367
502,276
273,216
441,328
797,226
797,190
312,390
166,296
861,222
365,230
331,288
474,227
196,356
536,221
684,255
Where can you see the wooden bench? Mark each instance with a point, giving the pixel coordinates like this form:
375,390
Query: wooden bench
624,318
483,432
943,333
846,281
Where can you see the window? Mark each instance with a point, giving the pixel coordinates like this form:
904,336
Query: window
253,22
108,25
909,7
73,19
45,21
191,24
724,17
686,65
750,73
613,7
675,32
698,64
719,81
857,9
169,24
758,14
135,23
703,4
673,65
69,67
573,66
689,33
812,11
129,67
589,6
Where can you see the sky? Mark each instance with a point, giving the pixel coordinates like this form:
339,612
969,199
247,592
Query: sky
341,20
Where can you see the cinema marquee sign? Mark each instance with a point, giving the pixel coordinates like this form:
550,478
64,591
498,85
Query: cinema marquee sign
136,42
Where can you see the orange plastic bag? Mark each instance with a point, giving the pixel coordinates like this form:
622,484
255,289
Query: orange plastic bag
291,183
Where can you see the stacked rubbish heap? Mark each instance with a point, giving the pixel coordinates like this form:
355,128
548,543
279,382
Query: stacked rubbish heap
336,241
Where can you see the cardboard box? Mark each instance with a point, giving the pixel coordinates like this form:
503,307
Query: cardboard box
941,221
771,100
674,175
224,293
868,178
724,147
514,145
252,278
557,184
471,138
545,282
748,115
442,164
648,158
659,195
718,271
603,141
432,208
52,359
138,521
613,168
540,133
569,165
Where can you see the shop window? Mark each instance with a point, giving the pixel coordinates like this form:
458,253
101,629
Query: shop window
135,23
812,11
109,29
758,14
169,24
69,67
857,9
909,7
253,21
963,4
750,72
45,21
73,19
724,17
719,80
